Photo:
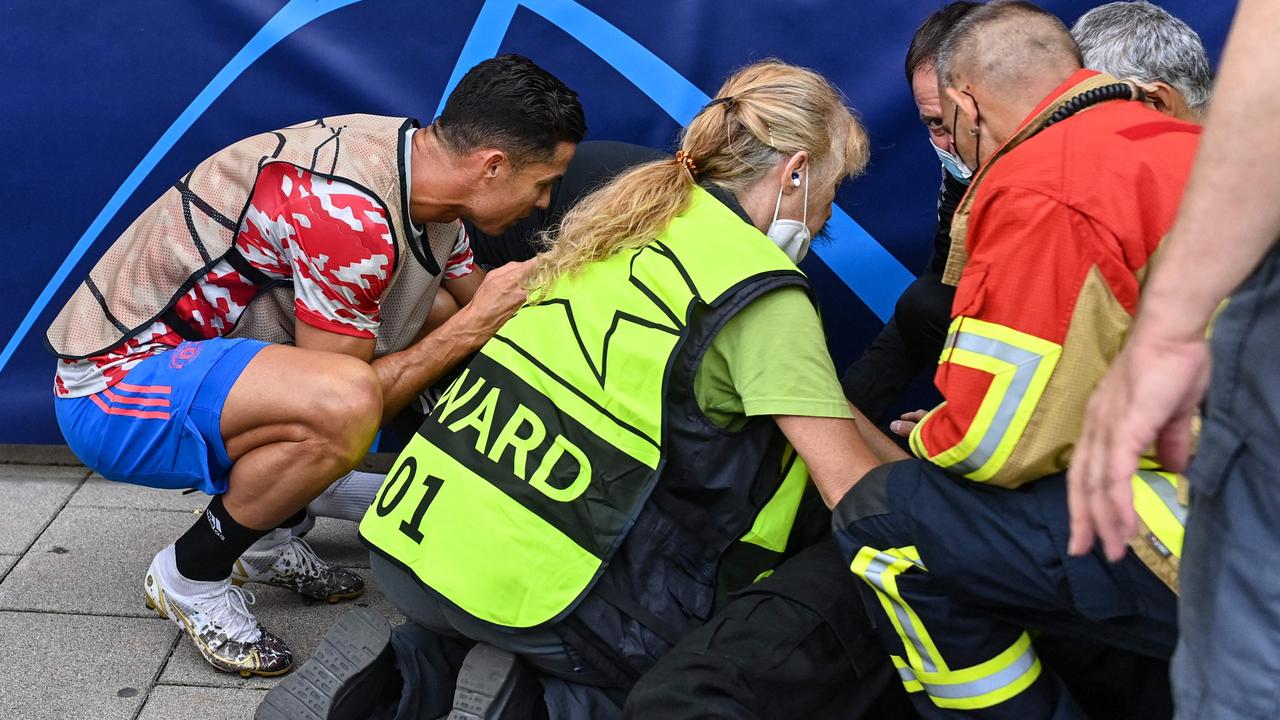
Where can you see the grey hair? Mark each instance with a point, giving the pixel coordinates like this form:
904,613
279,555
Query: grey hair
1139,41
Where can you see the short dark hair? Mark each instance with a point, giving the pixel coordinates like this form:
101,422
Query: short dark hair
510,103
924,44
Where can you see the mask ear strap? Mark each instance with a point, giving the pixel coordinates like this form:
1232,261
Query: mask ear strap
805,214
778,205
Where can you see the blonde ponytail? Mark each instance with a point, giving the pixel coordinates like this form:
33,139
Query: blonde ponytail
627,213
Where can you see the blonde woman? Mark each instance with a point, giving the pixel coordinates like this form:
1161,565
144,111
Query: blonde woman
633,444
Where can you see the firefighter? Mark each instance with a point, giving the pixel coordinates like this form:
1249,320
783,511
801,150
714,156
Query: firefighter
961,552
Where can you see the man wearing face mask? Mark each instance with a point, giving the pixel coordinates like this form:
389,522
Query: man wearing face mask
912,339
1074,189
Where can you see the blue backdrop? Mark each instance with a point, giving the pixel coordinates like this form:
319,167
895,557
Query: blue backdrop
107,103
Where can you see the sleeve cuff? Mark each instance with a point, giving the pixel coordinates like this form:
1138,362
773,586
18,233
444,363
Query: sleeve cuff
330,325
795,406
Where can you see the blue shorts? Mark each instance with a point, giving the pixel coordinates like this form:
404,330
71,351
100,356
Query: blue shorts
160,426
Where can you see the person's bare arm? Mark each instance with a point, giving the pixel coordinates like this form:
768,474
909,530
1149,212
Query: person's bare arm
1228,220
832,448
882,445
404,374
1229,216
442,309
463,289
310,337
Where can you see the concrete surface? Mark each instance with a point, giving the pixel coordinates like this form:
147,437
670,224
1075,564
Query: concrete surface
74,633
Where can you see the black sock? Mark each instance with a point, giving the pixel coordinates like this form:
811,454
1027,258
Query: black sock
209,549
294,519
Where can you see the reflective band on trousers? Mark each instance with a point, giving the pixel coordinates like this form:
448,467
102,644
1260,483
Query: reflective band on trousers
907,675
880,570
983,685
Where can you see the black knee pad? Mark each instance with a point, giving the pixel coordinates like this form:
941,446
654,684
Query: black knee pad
869,497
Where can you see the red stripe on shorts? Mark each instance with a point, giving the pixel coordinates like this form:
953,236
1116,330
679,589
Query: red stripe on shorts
151,402
144,414
164,389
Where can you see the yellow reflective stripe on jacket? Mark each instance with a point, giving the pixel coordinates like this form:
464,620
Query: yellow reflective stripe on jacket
880,570
983,685
1155,499
772,527
1020,366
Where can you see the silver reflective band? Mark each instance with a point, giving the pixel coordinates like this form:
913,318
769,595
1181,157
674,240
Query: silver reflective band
986,685
975,688
1025,364
875,571
1164,489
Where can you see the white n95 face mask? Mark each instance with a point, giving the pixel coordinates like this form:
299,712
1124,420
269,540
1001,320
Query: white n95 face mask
791,235
954,166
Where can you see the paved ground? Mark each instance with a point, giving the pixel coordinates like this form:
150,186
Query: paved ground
76,640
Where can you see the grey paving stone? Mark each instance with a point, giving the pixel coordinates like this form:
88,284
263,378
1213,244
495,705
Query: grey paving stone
298,622
6,562
337,542
92,561
68,667
168,702
38,455
36,473
30,495
101,492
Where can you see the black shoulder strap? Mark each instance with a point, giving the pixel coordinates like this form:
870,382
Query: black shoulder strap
178,324
246,269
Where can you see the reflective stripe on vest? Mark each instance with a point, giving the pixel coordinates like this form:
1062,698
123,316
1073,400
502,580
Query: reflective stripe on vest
533,466
1020,366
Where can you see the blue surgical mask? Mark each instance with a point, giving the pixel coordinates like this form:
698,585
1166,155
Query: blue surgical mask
953,165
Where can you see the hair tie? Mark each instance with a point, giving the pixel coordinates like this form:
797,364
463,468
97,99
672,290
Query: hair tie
727,101
686,160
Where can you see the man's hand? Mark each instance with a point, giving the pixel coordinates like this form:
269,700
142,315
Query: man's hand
1149,397
904,425
404,374
496,300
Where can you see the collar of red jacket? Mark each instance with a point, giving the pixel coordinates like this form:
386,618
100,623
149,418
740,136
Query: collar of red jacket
1076,78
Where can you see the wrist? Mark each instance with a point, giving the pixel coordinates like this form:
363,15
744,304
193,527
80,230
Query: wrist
469,330
1172,315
